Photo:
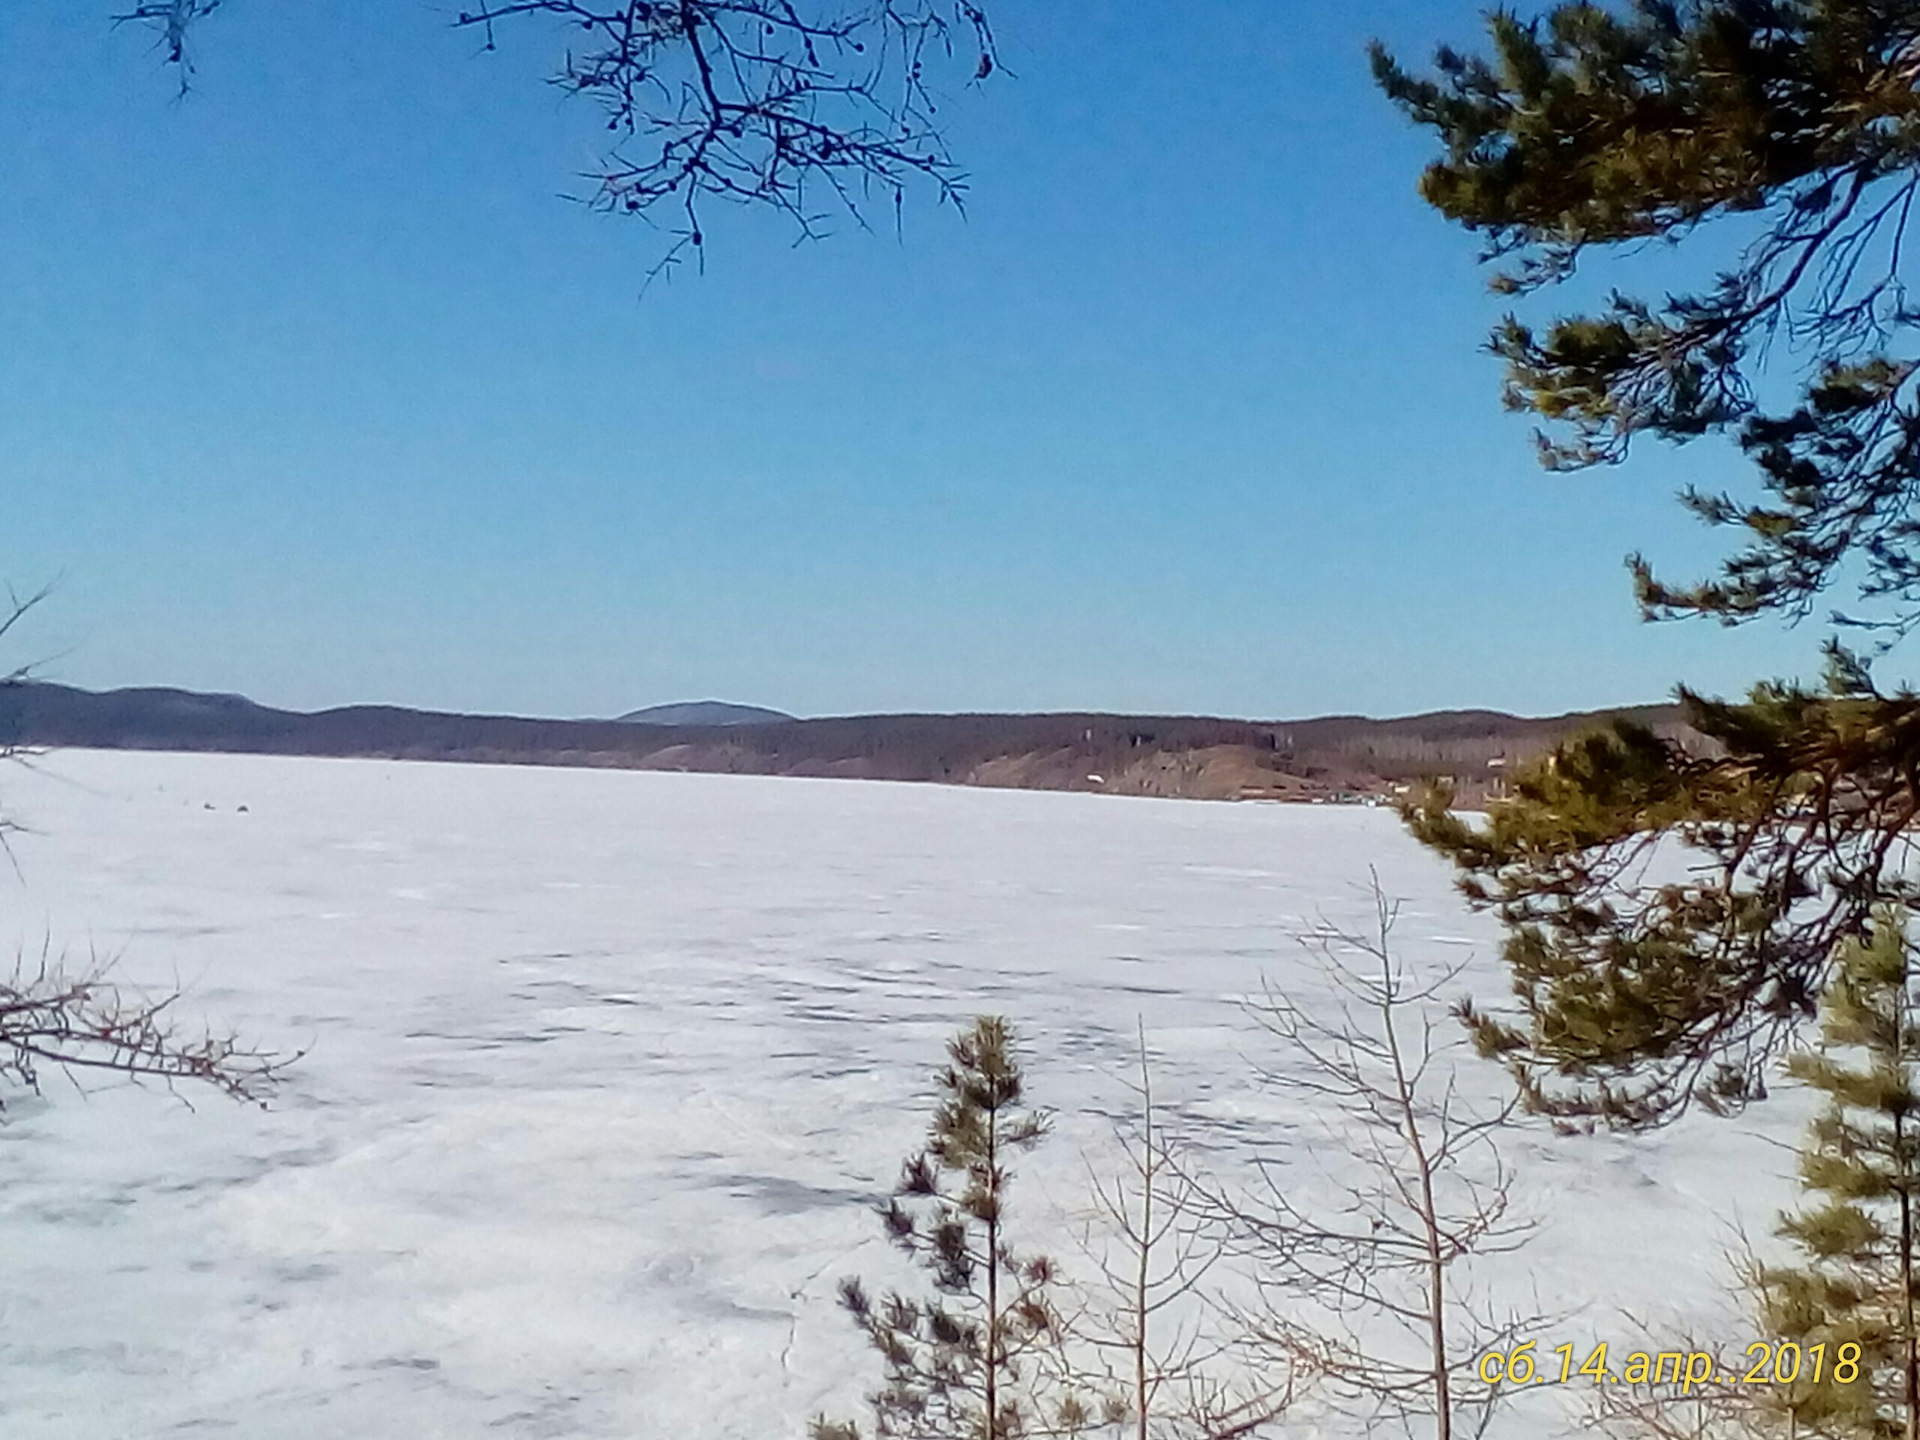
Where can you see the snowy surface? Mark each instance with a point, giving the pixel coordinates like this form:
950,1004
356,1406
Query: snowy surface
606,1068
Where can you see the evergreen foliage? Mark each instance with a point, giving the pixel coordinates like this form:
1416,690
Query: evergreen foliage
978,1358
1854,1285
1647,984
1793,128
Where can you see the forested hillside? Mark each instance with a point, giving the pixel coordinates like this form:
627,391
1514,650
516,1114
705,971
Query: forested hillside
1332,757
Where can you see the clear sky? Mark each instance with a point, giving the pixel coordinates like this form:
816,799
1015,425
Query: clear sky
312,387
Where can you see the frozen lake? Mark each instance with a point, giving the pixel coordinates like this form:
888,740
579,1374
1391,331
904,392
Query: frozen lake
606,1067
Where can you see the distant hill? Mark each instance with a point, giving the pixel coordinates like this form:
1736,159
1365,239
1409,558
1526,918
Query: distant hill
705,712
1197,757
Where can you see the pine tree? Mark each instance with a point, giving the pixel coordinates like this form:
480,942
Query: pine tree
1849,1303
1572,143
975,1360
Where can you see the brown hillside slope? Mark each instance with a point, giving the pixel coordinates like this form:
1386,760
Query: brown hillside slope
1185,756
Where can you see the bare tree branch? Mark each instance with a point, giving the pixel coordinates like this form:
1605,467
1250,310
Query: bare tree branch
82,1021
1164,1343
809,108
1370,1287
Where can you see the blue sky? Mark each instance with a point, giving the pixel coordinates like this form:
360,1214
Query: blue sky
312,387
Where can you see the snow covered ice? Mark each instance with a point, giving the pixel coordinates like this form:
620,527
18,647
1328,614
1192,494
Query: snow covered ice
606,1068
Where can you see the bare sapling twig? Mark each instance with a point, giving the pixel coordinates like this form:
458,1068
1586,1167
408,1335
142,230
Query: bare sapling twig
1163,1344
17,607
1371,1288
1714,1408
82,1022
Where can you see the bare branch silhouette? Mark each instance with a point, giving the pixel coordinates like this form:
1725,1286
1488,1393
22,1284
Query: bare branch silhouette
81,1021
809,108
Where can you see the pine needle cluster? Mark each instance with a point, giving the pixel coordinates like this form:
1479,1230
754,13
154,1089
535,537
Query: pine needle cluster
1772,148
1850,1299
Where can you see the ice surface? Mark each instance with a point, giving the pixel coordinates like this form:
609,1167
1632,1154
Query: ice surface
607,1066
